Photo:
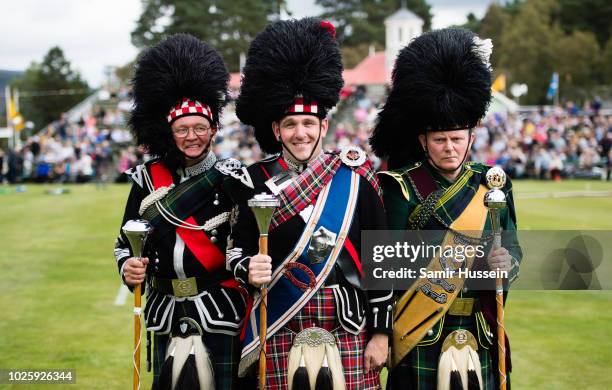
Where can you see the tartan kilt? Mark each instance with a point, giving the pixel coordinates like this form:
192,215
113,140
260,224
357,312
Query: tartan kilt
419,369
223,351
320,311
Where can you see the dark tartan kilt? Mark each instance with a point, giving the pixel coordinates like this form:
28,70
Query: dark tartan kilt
419,369
320,311
224,353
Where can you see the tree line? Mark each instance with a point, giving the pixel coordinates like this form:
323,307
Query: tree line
532,39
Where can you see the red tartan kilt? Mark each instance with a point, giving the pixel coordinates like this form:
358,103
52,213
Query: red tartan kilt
320,311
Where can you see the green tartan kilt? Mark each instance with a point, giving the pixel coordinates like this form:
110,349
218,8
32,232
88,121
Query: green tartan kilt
419,369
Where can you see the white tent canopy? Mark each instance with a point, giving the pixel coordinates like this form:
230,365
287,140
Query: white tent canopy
502,104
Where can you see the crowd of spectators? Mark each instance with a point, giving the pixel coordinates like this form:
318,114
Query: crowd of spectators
556,143
95,148
550,144
545,143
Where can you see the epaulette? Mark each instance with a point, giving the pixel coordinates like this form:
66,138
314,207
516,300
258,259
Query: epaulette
135,174
477,167
234,168
408,167
270,158
399,179
398,175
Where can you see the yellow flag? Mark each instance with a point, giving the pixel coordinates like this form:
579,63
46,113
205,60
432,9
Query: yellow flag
500,83
15,117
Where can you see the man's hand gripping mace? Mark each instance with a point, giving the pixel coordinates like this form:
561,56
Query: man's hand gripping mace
263,206
137,231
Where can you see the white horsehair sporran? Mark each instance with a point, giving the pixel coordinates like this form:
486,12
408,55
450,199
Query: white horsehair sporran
314,361
459,365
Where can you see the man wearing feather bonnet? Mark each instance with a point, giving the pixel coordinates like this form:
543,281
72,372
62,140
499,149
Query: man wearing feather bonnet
195,308
443,334
323,329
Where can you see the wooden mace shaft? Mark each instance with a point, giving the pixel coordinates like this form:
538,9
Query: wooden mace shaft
263,318
501,334
137,331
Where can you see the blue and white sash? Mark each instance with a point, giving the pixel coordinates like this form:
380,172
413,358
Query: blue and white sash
333,210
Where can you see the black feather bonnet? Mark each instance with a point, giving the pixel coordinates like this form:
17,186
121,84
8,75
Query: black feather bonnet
181,66
289,59
441,81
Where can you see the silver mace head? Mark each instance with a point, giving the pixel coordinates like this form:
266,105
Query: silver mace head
263,206
495,197
137,231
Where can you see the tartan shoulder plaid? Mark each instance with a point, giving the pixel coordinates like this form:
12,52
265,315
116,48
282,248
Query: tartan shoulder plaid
306,187
367,171
447,204
184,199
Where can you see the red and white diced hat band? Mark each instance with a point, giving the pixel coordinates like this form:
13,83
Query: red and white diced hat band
194,107
189,107
300,107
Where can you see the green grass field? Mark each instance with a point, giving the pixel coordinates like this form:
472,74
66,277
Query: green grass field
59,280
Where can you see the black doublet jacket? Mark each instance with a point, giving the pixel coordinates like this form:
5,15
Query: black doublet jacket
217,309
375,306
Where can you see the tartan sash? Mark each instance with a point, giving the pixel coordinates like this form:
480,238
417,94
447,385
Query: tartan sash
428,300
449,204
333,210
305,188
182,201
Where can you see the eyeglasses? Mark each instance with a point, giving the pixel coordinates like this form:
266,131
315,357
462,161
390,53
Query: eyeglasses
182,132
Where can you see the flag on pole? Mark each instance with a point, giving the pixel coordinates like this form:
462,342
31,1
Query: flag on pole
553,87
500,83
16,120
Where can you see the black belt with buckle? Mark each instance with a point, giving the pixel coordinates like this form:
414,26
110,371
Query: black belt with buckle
184,287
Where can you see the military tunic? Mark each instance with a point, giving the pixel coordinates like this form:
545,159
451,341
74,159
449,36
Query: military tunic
352,318
217,308
418,370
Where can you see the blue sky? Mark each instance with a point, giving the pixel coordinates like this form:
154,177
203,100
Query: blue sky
96,33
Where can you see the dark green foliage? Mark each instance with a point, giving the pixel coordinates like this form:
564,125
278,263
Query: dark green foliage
606,61
587,15
362,22
529,50
534,38
495,22
473,23
49,88
228,26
